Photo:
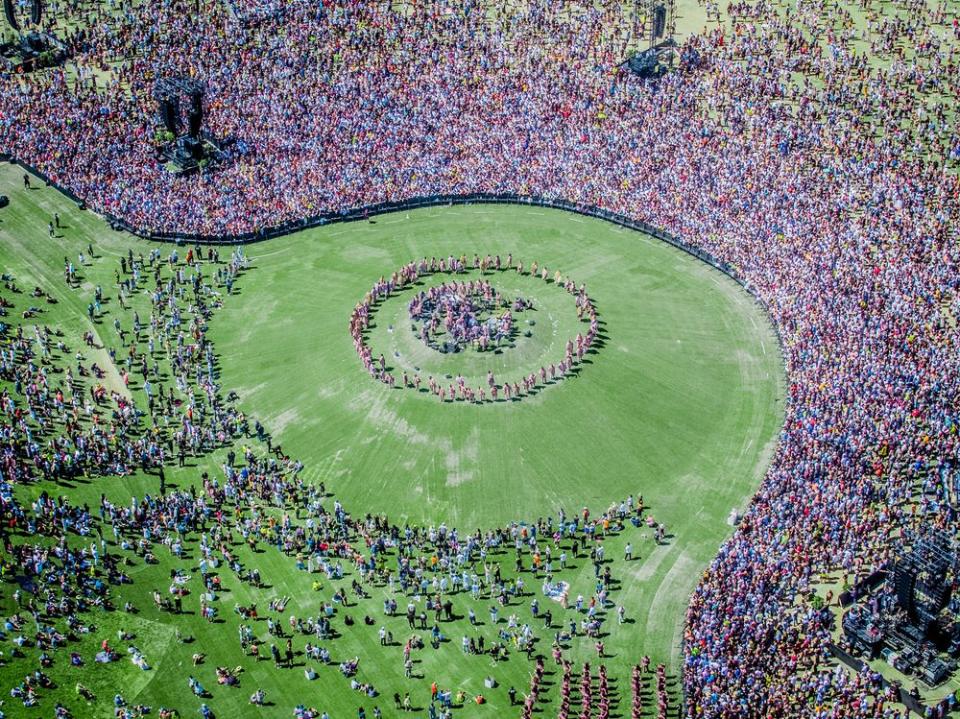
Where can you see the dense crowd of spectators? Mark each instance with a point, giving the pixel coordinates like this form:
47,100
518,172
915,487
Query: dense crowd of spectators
817,157
63,560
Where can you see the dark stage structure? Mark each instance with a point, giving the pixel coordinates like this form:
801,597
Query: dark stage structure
183,144
910,617
34,49
656,41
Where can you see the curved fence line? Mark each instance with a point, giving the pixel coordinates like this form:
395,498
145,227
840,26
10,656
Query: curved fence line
367,211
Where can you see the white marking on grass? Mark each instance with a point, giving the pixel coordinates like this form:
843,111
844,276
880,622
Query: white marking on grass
461,464
276,425
647,569
326,469
386,420
246,392
271,253
677,583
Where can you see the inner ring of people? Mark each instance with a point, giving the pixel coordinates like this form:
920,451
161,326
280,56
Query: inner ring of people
469,313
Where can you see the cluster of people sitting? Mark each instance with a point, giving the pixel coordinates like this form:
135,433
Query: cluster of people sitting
452,317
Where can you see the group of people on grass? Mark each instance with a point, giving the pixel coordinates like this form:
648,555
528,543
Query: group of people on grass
812,146
454,316
68,561
454,304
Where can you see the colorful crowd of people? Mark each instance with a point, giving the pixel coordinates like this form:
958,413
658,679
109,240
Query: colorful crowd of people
835,197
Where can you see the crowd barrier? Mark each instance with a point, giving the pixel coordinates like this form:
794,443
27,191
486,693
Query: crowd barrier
367,211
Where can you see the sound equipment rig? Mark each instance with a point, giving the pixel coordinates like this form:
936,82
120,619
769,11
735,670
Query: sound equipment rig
911,619
32,50
194,149
656,40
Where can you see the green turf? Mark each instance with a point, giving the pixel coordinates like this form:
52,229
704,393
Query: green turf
679,402
681,405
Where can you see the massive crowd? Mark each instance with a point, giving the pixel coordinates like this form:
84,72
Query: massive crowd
834,196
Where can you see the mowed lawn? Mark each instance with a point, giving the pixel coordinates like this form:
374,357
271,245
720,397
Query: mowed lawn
681,404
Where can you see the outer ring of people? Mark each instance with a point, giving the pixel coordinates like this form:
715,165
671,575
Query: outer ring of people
494,388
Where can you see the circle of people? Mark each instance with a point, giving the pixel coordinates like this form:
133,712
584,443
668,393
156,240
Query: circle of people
451,301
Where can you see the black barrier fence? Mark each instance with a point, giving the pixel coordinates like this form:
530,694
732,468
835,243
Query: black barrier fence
4,157
940,709
365,212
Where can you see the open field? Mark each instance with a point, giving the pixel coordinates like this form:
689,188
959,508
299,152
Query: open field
687,358
680,404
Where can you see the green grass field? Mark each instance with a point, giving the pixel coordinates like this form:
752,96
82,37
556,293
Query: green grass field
681,404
